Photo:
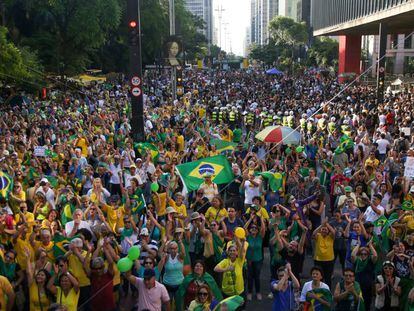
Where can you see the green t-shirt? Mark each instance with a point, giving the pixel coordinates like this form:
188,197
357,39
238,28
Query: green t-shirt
254,251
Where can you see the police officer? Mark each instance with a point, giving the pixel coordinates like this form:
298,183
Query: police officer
285,119
214,115
310,126
332,125
232,117
322,122
303,122
290,119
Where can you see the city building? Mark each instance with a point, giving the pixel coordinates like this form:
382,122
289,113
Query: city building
203,9
261,13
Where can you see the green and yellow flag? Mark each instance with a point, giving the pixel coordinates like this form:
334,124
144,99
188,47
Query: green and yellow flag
148,147
222,145
312,304
192,173
61,244
230,304
275,180
6,184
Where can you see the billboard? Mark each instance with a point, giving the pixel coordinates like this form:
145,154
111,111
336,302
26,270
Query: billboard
173,51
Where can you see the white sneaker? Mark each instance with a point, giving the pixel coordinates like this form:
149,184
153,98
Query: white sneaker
270,296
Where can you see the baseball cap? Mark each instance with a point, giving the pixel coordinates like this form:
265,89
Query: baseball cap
348,189
291,199
149,273
144,231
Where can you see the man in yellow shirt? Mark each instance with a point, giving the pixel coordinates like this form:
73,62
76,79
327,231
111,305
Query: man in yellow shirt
45,242
7,294
324,256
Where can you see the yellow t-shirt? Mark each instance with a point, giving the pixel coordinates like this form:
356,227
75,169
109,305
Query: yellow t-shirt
19,247
180,209
261,213
374,163
160,205
215,214
233,283
81,143
48,248
324,250
30,221
76,268
70,301
5,289
115,217
35,294
180,142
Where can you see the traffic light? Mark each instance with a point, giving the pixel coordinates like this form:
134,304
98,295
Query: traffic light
133,32
179,76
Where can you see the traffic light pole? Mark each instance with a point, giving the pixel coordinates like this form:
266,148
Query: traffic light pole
381,62
135,70
172,33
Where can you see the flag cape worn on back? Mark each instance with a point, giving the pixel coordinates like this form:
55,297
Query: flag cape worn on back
230,304
222,145
147,147
314,305
275,180
345,143
6,184
192,173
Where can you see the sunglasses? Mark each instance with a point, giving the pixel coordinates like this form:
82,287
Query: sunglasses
202,294
148,263
364,254
98,268
9,257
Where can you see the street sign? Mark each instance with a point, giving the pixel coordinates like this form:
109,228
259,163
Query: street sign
135,81
381,69
136,91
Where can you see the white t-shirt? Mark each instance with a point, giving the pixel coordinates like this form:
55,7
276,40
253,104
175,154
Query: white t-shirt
308,287
371,216
382,145
83,225
115,169
251,191
124,154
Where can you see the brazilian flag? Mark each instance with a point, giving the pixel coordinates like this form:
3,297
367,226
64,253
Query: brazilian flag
345,143
275,180
386,231
138,203
53,181
148,147
381,221
222,145
192,173
407,206
6,184
313,304
60,244
67,213
230,304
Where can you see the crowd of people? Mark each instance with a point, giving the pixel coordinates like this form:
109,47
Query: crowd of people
77,192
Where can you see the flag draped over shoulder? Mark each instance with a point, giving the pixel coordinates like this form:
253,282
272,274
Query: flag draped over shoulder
230,304
192,173
345,143
147,147
6,184
314,305
275,180
67,213
60,244
222,145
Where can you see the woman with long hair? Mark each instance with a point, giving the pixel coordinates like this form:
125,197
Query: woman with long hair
187,291
37,283
203,300
387,289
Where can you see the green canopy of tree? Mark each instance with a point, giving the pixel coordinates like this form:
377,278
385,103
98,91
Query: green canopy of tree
323,52
285,31
18,66
73,35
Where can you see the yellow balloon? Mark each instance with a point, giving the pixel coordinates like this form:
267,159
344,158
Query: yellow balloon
240,233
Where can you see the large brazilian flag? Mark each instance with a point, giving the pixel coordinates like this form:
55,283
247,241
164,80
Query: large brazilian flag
192,173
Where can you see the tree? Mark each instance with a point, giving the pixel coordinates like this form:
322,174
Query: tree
18,66
64,32
323,52
286,32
